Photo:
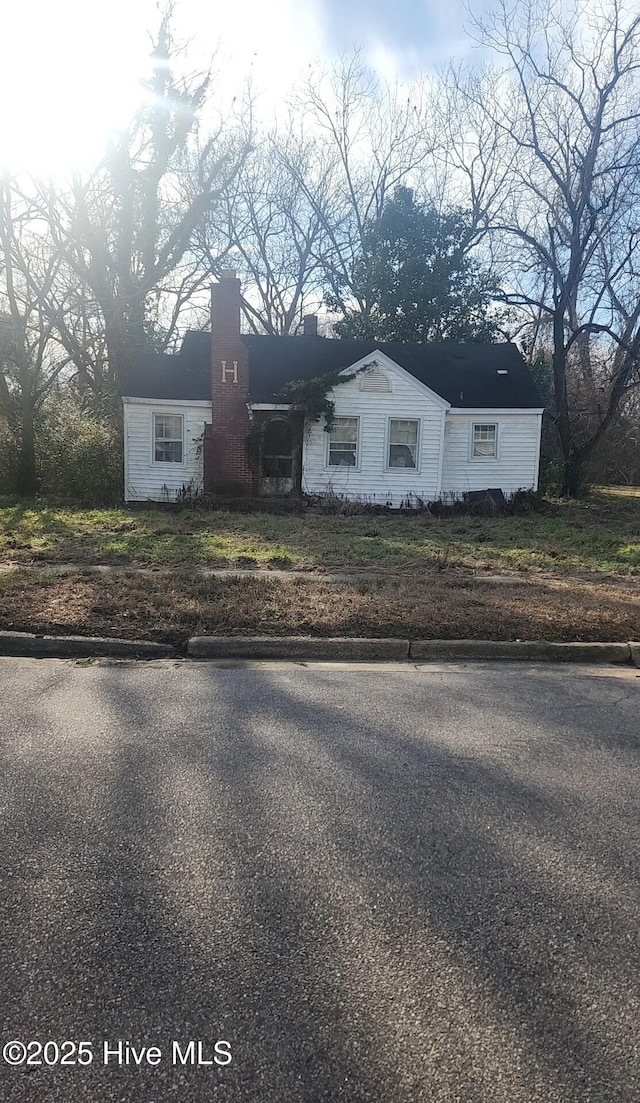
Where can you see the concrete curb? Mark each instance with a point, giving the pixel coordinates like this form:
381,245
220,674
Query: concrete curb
527,650
295,648
26,644
307,647
336,649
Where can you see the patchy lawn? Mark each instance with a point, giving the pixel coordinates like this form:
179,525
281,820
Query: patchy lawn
601,534
450,603
568,573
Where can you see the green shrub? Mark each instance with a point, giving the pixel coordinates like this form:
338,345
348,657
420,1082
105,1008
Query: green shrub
78,454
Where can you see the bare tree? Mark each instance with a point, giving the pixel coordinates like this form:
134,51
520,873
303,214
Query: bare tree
296,217
274,233
370,138
563,216
32,359
127,230
468,168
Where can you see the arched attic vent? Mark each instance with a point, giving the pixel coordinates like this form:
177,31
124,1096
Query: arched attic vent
375,380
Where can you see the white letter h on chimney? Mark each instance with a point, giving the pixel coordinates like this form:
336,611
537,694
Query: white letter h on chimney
233,372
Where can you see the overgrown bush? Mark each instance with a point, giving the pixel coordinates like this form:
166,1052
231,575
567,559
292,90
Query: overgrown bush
483,503
616,459
8,459
78,454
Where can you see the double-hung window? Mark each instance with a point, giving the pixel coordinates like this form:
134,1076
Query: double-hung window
484,440
403,443
168,434
343,442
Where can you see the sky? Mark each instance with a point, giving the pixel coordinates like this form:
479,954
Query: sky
70,69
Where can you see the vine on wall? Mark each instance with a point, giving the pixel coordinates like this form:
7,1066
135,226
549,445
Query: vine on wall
310,396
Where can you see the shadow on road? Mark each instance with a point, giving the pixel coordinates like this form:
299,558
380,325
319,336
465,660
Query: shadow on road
416,890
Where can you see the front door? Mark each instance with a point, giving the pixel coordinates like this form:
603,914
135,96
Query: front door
276,475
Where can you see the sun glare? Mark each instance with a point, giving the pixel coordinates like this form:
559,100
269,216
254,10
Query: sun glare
68,75
70,70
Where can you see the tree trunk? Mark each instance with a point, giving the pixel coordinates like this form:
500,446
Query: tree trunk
124,344
7,408
573,460
573,475
561,398
26,482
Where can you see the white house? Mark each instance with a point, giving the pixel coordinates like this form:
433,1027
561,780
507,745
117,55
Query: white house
411,424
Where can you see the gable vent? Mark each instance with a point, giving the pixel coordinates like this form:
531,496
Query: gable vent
375,380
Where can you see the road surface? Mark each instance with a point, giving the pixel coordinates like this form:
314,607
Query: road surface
388,883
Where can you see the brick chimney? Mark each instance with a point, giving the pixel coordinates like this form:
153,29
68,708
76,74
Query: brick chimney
310,325
227,468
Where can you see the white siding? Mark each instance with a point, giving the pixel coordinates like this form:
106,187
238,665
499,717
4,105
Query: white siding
516,466
371,481
146,480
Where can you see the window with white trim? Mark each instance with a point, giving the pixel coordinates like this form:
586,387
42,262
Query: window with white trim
343,442
168,438
403,443
484,440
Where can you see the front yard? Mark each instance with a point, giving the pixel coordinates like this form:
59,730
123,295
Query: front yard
569,572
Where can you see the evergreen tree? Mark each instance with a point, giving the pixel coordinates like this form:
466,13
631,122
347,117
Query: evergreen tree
415,279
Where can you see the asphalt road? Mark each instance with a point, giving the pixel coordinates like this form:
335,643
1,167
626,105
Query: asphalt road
382,883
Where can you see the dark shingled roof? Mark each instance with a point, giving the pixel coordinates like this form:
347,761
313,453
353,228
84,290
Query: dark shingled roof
183,378
465,375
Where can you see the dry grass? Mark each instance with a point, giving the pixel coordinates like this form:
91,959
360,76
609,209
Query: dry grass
447,604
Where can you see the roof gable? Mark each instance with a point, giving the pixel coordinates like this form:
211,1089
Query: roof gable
381,360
